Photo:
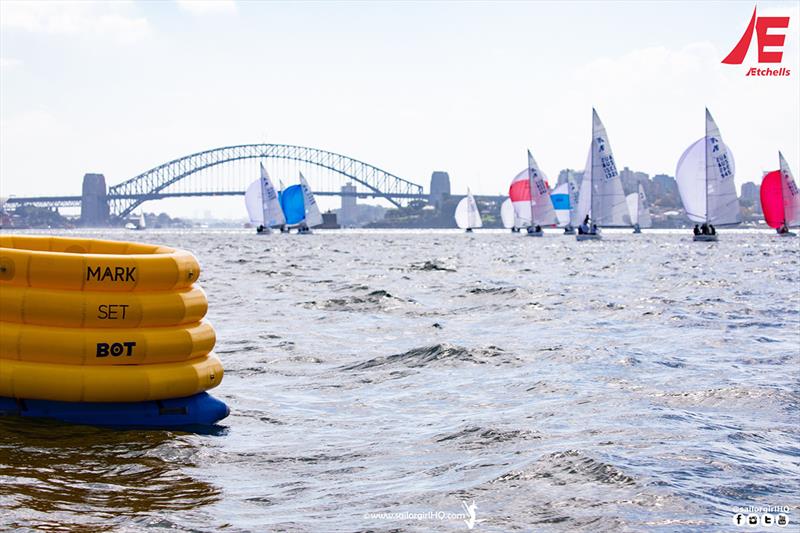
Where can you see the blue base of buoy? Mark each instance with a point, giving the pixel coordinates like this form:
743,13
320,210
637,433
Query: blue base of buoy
198,410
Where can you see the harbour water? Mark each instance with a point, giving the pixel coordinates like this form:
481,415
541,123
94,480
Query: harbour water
380,380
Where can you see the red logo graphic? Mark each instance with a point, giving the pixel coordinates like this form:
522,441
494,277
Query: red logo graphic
761,25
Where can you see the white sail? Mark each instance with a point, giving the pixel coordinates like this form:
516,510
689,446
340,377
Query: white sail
633,207
705,179
723,202
637,207
262,203
142,222
584,204
563,214
608,205
313,216
467,214
507,214
691,178
542,212
791,195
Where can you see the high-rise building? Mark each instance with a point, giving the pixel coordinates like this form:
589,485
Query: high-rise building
348,213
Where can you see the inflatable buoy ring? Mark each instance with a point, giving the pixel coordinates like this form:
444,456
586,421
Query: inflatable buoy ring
93,265
137,383
104,346
92,309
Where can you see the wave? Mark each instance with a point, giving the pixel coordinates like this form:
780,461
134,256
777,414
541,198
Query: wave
445,354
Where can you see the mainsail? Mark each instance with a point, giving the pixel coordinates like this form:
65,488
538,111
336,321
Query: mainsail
262,203
601,195
705,176
791,195
531,197
313,216
467,214
637,206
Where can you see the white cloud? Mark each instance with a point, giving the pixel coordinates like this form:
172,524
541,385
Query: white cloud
112,20
208,7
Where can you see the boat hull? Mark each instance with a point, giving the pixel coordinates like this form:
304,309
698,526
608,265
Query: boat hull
588,237
704,238
787,234
568,231
535,234
197,410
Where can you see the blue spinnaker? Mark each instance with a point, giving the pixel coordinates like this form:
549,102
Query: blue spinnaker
560,201
292,203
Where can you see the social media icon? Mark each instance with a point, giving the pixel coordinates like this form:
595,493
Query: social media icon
752,520
767,520
739,519
782,520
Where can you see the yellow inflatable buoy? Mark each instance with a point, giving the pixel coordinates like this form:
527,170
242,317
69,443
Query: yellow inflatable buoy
88,320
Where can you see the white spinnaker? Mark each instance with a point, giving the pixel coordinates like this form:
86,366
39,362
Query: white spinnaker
563,215
609,207
262,203
542,212
507,214
313,216
633,207
691,177
723,202
467,214
791,195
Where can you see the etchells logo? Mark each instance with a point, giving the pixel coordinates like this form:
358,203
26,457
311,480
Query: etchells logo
761,26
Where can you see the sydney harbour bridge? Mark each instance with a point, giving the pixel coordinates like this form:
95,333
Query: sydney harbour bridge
227,171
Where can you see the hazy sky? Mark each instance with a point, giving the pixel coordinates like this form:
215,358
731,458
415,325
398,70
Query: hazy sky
411,87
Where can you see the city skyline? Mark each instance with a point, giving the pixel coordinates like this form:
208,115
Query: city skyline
465,88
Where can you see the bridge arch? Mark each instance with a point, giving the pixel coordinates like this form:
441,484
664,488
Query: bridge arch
128,195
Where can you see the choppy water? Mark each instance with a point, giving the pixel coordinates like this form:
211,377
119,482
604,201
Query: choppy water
644,382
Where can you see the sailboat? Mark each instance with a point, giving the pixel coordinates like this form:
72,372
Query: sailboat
531,198
563,203
509,216
780,199
300,207
467,214
140,224
705,176
262,204
640,213
601,201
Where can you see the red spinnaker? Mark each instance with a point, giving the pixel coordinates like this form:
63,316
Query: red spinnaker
772,199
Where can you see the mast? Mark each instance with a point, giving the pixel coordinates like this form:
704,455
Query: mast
705,160
591,172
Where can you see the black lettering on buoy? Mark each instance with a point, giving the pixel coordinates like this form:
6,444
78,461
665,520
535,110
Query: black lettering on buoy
117,274
92,273
115,349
